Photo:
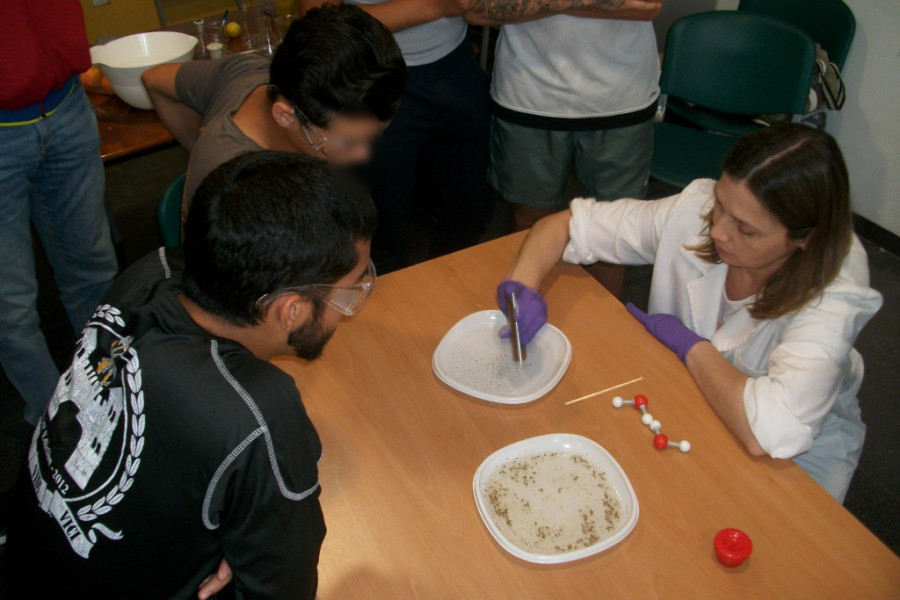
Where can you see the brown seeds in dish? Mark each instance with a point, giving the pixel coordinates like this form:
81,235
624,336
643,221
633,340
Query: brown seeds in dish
551,502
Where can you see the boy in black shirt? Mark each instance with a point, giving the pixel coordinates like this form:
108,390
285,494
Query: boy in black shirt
171,443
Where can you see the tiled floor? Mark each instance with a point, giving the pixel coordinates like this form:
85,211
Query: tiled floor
135,185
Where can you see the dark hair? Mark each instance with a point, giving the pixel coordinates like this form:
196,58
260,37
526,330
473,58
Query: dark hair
799,176
268,220
339,59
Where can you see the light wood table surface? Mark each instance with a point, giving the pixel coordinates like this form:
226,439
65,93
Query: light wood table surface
126,131
401,449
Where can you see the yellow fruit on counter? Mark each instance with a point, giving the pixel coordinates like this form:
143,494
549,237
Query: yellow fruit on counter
232,29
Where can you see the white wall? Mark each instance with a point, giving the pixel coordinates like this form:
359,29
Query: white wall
868,127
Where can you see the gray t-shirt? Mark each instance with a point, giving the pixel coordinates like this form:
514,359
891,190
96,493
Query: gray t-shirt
216,89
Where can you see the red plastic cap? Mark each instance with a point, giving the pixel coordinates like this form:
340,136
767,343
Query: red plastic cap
640,400
733,547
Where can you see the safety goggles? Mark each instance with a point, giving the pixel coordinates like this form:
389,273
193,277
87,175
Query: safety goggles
346,299
323,144
318,141
316,138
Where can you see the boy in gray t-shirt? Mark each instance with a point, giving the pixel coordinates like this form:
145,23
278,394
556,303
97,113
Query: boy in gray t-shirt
331,88
217,89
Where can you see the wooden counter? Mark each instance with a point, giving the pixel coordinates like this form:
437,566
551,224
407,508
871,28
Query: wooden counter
126,131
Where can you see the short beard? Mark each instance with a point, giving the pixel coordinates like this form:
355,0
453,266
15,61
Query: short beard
309,340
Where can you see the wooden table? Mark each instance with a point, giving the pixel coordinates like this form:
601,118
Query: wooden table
401,449
125,130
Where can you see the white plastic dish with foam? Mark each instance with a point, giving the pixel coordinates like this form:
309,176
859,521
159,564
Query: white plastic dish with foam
474,359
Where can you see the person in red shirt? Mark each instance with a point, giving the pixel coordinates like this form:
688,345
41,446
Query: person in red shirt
51,176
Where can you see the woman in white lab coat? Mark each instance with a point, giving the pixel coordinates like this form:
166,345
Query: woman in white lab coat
759,285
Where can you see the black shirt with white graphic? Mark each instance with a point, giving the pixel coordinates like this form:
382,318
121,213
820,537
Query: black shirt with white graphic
164,450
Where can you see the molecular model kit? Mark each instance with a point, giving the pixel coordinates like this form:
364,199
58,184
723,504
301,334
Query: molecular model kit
660,440
732,546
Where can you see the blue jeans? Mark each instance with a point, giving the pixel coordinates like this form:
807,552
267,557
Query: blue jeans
51,175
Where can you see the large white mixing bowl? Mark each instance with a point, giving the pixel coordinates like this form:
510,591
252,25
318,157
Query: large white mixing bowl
125,59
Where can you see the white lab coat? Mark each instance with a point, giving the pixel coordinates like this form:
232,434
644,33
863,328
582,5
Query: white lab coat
800,397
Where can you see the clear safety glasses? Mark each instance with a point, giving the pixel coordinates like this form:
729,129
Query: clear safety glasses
346,299
315,138
318,141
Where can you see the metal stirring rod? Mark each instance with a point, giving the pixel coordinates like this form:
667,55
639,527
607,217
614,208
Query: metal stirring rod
512,318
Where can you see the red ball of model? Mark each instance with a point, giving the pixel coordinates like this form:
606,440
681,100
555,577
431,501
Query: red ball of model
661,441
640,400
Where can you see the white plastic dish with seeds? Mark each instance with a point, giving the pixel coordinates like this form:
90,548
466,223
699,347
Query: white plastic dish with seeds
555,498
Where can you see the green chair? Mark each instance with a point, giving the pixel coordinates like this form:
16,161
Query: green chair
168,213
829,22
736,63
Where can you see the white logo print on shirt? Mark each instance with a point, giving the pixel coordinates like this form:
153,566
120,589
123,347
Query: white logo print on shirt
80,481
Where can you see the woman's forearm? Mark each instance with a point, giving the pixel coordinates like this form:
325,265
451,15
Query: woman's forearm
541,250
723,386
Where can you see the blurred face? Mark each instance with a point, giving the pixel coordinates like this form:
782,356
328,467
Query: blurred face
346,140
745,233
349,139
309,339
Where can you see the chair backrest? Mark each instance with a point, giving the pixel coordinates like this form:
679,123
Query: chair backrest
168,213
829,22
739,63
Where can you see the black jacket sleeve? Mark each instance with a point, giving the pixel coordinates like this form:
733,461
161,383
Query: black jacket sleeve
266,504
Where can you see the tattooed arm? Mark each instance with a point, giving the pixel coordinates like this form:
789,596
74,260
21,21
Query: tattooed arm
498,12
401,14
619,15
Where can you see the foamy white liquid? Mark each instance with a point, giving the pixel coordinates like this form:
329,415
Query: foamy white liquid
485,362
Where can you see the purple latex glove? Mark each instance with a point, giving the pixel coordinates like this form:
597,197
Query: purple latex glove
669,330
532,309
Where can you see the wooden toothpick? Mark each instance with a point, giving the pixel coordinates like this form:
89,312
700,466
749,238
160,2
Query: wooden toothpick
609,389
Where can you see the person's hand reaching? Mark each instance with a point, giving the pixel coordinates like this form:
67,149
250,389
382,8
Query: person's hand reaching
669,330
532,309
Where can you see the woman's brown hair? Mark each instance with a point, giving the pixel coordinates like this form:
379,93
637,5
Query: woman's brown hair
799,175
